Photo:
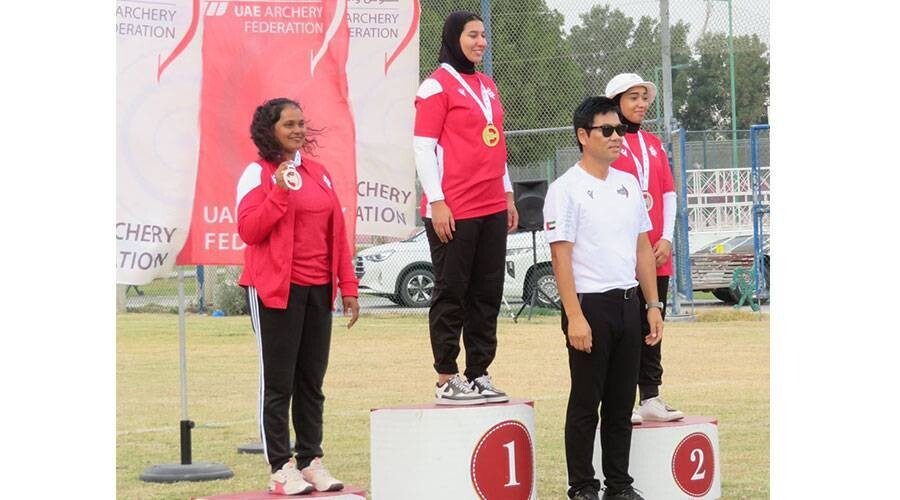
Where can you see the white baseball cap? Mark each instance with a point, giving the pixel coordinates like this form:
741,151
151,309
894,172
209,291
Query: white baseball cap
624,81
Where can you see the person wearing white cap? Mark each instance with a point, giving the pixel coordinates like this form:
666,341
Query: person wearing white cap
642,155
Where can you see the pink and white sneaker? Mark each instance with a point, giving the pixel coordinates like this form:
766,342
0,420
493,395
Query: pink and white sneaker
288,481
318,475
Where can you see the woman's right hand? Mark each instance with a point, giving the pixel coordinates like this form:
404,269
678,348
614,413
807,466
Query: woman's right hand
279,174
442,220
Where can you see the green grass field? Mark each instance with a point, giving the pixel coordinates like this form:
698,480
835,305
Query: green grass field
717,366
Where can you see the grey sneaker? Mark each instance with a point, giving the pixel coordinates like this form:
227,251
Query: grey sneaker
457,391
484,386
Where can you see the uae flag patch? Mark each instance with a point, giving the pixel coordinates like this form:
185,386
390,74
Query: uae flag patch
550,225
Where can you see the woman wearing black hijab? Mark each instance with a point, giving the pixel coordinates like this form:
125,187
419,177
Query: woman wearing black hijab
467,208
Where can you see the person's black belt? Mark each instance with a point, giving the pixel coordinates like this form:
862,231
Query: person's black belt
623,293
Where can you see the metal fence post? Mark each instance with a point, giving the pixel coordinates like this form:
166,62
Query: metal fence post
488,54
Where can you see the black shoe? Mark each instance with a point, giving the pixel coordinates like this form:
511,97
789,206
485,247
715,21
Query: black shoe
587,493
629,494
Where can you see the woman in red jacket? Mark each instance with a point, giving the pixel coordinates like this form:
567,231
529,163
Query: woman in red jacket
297,253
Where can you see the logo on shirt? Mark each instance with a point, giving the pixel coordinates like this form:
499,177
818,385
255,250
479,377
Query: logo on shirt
590,193
325,178
461,92
623,151
653,151
622,191
550,225
490,94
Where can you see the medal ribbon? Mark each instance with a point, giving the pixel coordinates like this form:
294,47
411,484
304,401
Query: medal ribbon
643,168
484,103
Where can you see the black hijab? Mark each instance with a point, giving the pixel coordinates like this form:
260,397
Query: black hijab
630,127
451,53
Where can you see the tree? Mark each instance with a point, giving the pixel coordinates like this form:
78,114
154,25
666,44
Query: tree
707,101
607,42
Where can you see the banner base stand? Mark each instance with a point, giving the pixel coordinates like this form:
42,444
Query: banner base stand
254,448
197,471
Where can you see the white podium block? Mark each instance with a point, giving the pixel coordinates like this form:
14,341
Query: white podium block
673,459
454,452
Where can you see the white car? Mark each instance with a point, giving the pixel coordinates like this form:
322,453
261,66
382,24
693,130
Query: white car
402,271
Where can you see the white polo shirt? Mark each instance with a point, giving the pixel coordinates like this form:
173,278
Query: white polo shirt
603,218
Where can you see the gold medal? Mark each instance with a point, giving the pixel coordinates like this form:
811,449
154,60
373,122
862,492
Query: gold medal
648,200
490,135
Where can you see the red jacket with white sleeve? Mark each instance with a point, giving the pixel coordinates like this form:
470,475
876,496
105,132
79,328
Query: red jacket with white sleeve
266,225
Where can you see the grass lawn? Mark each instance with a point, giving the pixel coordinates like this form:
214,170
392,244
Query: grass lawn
717,366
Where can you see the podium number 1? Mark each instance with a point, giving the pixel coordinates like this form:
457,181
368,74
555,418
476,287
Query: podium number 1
697,456
511,452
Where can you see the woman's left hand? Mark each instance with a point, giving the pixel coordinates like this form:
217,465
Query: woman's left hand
351,304
512,215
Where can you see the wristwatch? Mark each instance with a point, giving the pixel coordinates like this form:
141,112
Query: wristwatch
658,305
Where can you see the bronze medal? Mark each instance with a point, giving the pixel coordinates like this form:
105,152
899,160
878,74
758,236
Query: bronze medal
648,200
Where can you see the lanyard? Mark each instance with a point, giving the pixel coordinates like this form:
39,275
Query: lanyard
484,103
643,167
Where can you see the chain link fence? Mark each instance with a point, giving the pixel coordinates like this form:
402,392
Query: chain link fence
546,57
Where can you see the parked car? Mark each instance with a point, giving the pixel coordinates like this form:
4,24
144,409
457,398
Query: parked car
402,271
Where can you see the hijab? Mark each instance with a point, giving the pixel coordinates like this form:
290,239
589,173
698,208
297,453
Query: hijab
451,52
630,127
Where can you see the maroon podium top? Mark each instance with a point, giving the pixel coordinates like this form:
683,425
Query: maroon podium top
261,495
433,406
687,420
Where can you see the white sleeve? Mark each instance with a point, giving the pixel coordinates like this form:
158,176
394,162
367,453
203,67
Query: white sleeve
249,179
507,185
668,215
427,167
560,215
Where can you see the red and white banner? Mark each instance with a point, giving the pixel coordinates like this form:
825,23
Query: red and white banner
157,105
215,62
383,72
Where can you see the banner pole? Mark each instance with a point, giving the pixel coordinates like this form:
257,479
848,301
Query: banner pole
185,471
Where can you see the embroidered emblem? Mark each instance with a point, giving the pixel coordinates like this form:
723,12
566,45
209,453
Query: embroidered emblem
590,193
325,178
622,191
490,94
461,92
653,151
623,151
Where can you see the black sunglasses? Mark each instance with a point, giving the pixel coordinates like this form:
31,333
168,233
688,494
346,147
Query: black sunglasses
607,130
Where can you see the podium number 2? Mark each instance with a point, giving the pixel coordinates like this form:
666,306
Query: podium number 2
697,456
511,453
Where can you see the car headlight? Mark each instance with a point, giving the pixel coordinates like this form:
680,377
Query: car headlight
380,256
517,251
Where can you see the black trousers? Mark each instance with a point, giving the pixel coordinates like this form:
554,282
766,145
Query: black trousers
607,375
650,376
468,289
294,345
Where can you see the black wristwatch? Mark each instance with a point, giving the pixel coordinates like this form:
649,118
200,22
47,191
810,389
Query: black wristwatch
658,305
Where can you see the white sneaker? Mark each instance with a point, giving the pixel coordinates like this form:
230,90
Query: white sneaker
484,386
288,481
656,410
318,475
636,418
457,391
